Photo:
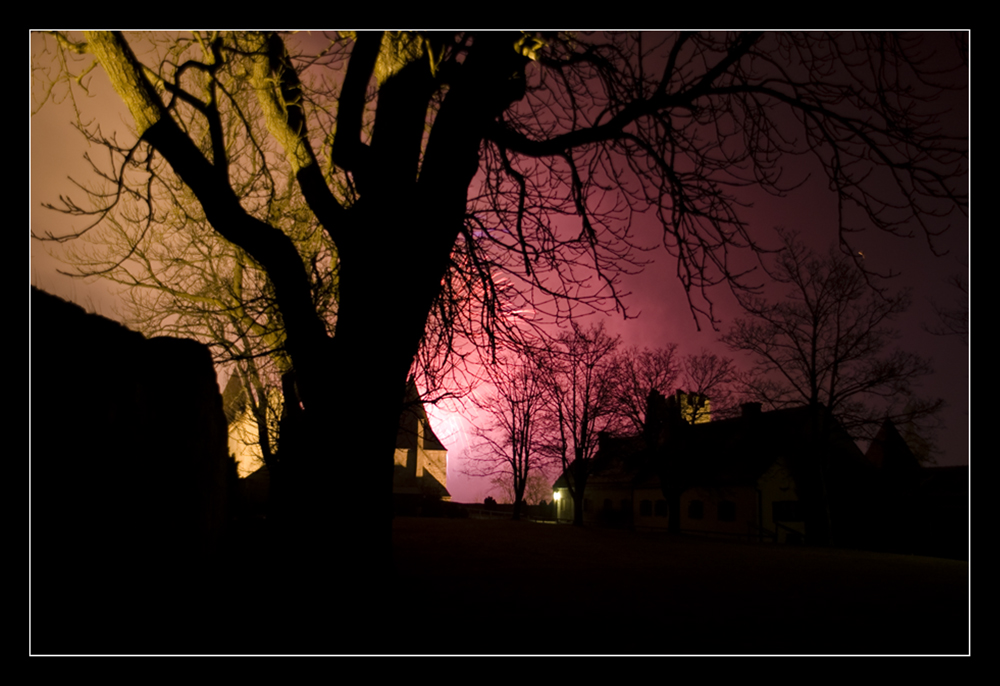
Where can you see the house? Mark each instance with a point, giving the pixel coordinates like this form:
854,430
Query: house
922,509
421,460
420,472
786,475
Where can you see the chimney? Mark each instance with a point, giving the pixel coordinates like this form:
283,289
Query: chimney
658,418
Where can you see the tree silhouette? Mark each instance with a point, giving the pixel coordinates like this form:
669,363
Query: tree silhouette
954,320
511,442
442,163
829,342
641,371
180,279
584,400
537,490
709,380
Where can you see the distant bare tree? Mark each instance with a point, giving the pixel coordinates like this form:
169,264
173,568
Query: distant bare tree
538,487
638,373
584,401
254,411
829,342
510,443
954,320
709,381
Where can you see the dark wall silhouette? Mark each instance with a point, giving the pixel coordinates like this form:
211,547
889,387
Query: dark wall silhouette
130,476
923,510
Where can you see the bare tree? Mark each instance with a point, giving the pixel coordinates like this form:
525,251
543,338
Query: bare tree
253,408
511,444
642,371
953,320
523,153
181,279
709,382
829,342
706,392
538,488
585,401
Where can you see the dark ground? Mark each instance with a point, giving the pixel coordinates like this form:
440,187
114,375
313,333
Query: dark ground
500,587
517,587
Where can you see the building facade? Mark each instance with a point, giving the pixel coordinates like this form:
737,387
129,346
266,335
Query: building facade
778,476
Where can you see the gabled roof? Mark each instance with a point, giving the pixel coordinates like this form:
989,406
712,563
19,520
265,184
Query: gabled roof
889,450
741,449
409,423
722,453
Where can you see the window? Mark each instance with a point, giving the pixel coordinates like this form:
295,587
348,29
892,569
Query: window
727,511
696,509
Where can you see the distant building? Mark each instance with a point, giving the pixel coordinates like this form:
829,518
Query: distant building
921,509
786,475
421,460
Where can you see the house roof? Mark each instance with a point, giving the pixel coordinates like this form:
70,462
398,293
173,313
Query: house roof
412,416
720,453
743,448
889,450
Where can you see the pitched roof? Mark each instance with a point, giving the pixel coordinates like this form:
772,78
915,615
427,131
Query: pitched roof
721,453
413,415
889,450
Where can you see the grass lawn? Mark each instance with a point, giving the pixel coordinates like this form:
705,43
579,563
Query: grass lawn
516,587
502,587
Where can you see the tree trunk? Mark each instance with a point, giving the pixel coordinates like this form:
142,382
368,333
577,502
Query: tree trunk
335,538
394,247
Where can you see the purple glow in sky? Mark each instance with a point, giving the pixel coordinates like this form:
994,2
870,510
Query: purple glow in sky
657,301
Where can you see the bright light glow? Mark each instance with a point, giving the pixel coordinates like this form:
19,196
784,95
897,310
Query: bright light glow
556,495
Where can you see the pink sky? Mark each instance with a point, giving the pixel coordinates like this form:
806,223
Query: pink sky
57,149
